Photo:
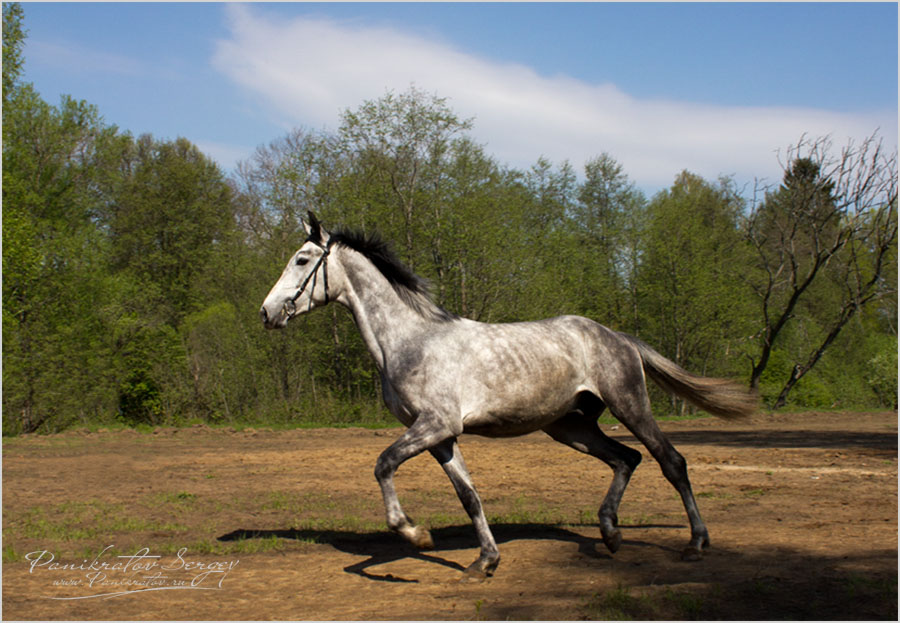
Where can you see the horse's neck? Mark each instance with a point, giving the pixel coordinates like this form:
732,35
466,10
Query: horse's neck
383,319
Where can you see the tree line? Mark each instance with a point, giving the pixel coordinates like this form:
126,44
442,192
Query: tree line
133,267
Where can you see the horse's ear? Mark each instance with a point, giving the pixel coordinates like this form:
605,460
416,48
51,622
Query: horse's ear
313,227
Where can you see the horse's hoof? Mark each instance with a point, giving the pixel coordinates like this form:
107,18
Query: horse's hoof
421,538
691,554
472,574
480,570
612,540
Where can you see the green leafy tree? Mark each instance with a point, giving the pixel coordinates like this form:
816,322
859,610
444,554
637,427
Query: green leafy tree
170,212
13,42
169,220
57,356
547,283
401,144
824,242
606,208
482,237
691,271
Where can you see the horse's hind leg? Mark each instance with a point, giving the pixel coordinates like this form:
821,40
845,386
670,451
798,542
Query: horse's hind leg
633,410
582,433
448,455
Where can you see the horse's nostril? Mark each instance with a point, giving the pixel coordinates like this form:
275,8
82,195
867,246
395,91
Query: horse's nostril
263,314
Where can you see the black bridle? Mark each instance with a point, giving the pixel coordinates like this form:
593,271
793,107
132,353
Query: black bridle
290,307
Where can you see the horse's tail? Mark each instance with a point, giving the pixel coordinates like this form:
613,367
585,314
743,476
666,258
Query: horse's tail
717,396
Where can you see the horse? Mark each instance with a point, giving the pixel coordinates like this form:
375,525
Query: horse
443,375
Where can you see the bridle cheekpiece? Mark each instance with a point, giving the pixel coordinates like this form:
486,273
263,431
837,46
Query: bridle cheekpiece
290,307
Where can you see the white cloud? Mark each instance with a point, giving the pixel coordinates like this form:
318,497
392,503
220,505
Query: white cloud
308,70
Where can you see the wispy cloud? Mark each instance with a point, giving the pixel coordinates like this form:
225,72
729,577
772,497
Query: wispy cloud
307,70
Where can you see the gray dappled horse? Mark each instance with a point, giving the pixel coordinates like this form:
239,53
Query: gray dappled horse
443,376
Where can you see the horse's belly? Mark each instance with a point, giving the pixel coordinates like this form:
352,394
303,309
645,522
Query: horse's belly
506,425
518,415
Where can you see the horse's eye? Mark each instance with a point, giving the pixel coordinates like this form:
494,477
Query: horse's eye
302,261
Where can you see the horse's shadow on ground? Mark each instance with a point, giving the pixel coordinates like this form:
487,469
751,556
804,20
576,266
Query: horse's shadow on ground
385,547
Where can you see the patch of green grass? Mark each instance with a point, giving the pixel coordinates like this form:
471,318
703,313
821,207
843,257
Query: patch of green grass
617,605
279,500
179,498
74,521
445,519
621,605
10,554
342,523
298,502
715,495
641,520
606,419
266,544
858,585
690,606
478,604
186,504
529,511
763,587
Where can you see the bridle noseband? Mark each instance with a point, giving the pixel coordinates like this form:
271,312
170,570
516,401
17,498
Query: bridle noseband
290,307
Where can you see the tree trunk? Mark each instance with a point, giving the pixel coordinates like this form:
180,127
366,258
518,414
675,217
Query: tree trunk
799,371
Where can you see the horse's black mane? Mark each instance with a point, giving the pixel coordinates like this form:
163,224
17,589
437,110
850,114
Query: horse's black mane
413,289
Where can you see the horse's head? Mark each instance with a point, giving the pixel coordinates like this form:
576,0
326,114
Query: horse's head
303,284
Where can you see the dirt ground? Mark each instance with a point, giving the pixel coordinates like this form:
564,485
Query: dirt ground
254,524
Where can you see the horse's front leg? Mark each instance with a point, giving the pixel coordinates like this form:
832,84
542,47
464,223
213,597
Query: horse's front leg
425,433
448,455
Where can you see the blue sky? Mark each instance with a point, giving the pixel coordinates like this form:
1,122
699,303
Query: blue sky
713,88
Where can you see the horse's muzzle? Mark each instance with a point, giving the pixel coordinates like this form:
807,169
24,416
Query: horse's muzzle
270,323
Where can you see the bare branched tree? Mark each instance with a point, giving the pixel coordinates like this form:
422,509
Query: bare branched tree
833,219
